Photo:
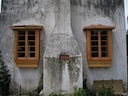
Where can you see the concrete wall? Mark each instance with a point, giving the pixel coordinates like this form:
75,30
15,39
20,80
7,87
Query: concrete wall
62,75
24,79
85,12
82,11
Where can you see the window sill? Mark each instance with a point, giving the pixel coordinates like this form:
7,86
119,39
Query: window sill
26,63
98,64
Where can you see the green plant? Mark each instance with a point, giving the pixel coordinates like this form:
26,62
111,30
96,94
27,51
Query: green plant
57,94
79,92
33,93
91,93
88,92
105,91
4,78
38,89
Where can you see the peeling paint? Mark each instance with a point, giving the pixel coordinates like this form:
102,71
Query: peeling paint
55,77
108,7
46,11
74,69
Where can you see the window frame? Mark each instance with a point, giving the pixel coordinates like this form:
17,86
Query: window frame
98,61
27,61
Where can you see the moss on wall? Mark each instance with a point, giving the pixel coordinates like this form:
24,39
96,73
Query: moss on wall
107,7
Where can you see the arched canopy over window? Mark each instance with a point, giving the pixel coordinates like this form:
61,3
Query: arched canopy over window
26,43
99,45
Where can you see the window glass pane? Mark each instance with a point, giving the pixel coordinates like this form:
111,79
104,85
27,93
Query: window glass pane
21,43
21,51
102,40
104,37
104,51
21,54
104,48
31,43
94,54
104,43
103,32
94,35
21,38
31,32
21,48
94,43
31,48
94,48
26,40
94,32
21,35
31,37
104,54
31,51
21,32
32,55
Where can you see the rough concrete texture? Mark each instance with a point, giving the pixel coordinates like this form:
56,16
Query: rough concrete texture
28,22
84,11
62,75
46,11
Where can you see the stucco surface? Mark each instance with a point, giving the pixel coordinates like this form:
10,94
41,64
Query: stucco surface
102,12
62,75
82,13
28,22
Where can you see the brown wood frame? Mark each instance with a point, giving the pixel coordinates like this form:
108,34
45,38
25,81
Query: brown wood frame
25,61
98,61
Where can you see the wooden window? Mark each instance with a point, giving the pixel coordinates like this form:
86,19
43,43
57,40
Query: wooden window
26,43
99,45
26,49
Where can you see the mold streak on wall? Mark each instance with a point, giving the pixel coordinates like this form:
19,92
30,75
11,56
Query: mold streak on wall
88,13
63,22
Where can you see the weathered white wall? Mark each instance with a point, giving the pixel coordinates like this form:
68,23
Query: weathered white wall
62,75
81,11
24,79
87,12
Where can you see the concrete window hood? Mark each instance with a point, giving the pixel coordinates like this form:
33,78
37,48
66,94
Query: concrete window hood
99,45
26,43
